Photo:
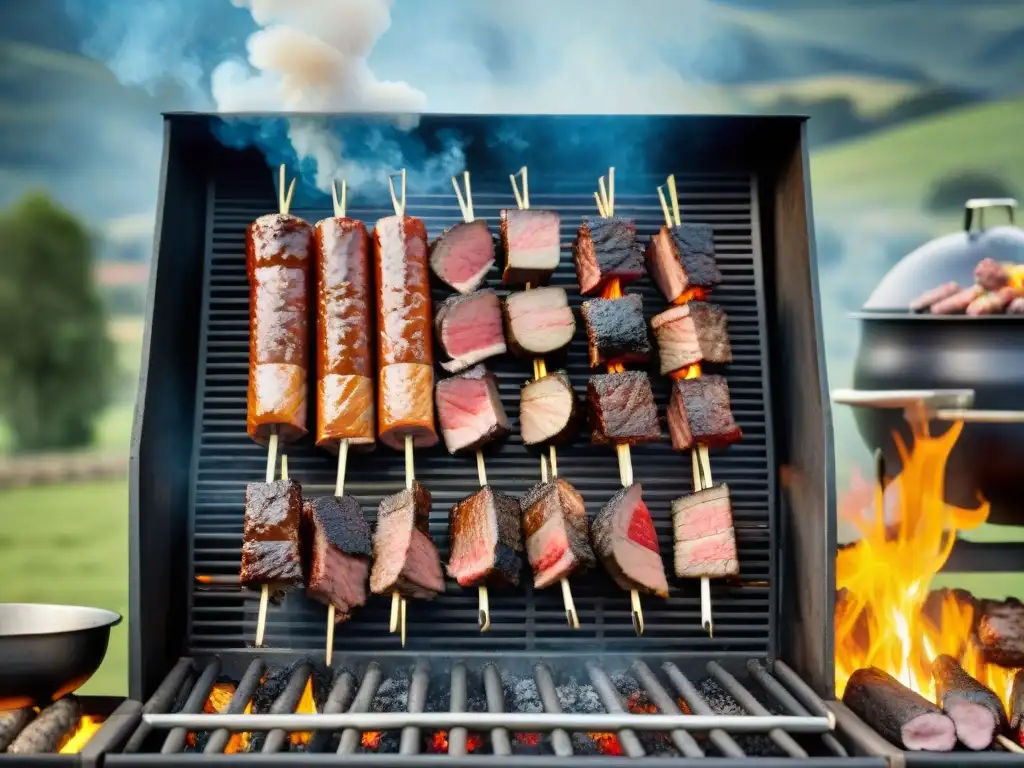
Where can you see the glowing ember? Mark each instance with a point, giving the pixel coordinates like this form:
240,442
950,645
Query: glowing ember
216,704
607,743
85,730
371,740
528,739
439,742
886,577
306,706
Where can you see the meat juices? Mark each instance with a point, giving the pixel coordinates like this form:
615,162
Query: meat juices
405,348
692,333
616,330
625,540
556,531
461,256
345,399
337,537
605,249
277,257
469,329
485,539
682,258
700,412
469,410
976,711
270,535
622,408
405,559
1000,632
705,539
532,246
547,410
538,322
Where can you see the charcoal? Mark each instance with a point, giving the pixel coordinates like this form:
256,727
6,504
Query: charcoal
45,733
722,703
622,409
902,716
12,723
1001,632
605,249
616,330
700,412
975,710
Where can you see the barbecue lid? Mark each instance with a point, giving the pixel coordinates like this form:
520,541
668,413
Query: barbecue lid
950,257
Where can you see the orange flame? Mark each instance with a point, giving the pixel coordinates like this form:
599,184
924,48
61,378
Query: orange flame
84,730
371,740
885,578
217,703
439,742
306,706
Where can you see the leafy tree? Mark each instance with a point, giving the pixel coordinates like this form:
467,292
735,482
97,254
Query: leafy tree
57,363
948,194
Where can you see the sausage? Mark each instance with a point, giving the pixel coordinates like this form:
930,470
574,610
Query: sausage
935,295
991,275
44,734
278,249
12,723
993,303
957,303
345,401
405,395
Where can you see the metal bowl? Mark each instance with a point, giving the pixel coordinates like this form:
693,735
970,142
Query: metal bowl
49,651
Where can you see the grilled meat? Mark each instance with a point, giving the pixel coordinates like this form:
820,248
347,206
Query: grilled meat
625,540
461,256
1017,706
470,410
616,330
605,249
958,302
339,548
556,531
404,556
538,322
44,734
683,258
469,329
532,246
993,303
934,296
705,540
976,712
902,716
1001,632
622,408
694,332
270,536
700,412
548,410
485,539
991,275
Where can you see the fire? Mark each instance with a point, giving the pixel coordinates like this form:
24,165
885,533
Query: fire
528,739
439,742
216,703
607,744
688,372
85,730
885,578
692,294
306,706
638,704
371,740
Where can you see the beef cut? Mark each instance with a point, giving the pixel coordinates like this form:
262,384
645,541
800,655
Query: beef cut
469,329
680,259
548,410
605,249
462,254
622,408
902,716
557,532
976,711
538,321
616,330
692,333
1001,632
532,245
485,537
700,412
404,556
705,539
625,540
270,536
470,410
338,550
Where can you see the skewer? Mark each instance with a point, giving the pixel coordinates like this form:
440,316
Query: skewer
1009,744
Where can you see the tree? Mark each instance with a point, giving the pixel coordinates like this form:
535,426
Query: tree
57,363
948,194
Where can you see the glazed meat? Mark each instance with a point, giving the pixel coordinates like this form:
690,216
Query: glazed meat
548,410
692,333
461,256
270,535
556,531
700,412
539,321
681,259
705,540
605,249
622,408
338,551
404,556
616,330
469,329
470,410
627,544
532,246
1000,632
485,539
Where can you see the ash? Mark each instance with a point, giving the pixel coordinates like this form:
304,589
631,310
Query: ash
392,696
580,698
636,700
521,695
724,704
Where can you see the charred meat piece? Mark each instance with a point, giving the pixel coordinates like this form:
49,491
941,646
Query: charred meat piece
625,540
404,556
902,716
976,712
683,258
270,536
461,256
339,545
469,329
12,723
44,734
1001,632
692,333
470,410
705,539
616,330
622,408
958,302
486,539
933,296
993,303
991,275
532,246
1017,706
605,249
538,322
556,531
700,412
548,410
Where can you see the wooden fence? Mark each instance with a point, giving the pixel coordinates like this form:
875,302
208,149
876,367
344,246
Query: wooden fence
52,469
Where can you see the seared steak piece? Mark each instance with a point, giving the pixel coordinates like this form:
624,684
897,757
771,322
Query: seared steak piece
469,329
622,408
470,411
625,540
605,249
461,255
532,246
548,410
539,321
700,412
902,716
616,330
270,535
404,556
338,551
705,540
976,711
683,258
556,531
1001,632
694,332
485,537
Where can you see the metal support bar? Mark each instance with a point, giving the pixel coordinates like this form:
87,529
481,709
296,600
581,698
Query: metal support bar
285,703
457,736
630,744
364,698
247,686
418,687
161,701
175,741
684,742
337,701
560,740
500,742
814,703
722,741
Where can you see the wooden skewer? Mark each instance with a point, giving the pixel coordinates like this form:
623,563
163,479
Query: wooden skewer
675,199
1009,744
340,204
398,201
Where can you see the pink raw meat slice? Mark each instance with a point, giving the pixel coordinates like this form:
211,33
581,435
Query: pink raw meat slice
470,410
469,329
705,541
461,256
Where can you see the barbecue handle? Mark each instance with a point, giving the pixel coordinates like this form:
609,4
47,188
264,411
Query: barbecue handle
980,204
938,404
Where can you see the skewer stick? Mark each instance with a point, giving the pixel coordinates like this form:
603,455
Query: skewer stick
398,201
701,480
261,621
1009,744
339,204
397,601
664,207
675,199
522,198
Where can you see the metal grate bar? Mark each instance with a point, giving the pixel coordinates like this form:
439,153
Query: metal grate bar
285,703
610,698
361,703
683,741
339,697
560,741
722,741
176,739
162,700
457,736
802,691
500,743
243,694
419,685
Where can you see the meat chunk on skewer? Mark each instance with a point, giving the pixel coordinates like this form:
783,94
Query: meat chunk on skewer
469,329
548,410
605,249
538,322
470,410
1017,707
705,539
682,258
622,408
625,540
404,556
991,275
975,710
1001,632
556,531
993,303
270,536
338,549
486,539
693,333
616,330
461,255
532,245
700,412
